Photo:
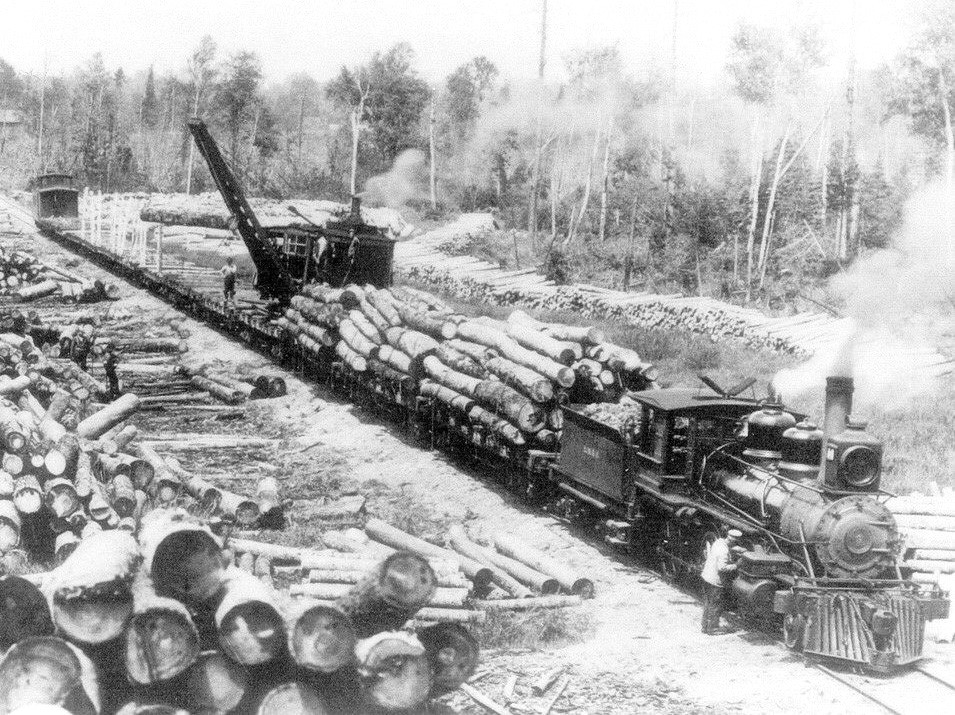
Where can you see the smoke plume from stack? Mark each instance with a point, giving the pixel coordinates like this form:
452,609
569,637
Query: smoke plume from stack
900,301
403,182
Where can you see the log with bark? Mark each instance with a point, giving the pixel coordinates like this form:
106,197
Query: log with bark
251,628
511,546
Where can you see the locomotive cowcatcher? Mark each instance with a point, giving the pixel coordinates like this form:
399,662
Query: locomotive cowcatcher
820,556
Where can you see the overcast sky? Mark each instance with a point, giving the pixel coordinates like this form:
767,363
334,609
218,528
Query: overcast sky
318,36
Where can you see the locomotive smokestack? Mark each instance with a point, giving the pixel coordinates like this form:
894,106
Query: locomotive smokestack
838,407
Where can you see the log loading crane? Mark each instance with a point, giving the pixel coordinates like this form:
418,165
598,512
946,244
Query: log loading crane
286,257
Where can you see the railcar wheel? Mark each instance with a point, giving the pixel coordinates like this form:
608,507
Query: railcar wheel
794,630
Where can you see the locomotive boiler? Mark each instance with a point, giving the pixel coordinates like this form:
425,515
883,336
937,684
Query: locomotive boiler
819,557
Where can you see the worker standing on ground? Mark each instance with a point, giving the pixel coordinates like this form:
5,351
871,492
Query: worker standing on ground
228,280
110,361
718,572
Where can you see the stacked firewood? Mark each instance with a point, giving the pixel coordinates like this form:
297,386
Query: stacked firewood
27,278
166,620
510,377
927,524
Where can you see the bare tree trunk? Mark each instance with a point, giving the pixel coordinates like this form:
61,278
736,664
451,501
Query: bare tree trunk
433,177
771,202
631,239
192,146
39,138
753,204
355,129
538,138
605,182
949,159
824,178
585,201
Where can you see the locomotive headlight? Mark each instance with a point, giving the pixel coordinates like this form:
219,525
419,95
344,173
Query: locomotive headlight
884,623
860,466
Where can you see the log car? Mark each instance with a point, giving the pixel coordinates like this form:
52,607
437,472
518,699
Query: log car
820,550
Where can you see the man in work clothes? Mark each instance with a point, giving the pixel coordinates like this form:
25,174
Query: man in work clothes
717,574
228,280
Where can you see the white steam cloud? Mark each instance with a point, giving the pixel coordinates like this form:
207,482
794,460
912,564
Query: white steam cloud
901,306
403,182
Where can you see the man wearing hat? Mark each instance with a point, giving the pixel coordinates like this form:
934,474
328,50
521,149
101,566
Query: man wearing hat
717,573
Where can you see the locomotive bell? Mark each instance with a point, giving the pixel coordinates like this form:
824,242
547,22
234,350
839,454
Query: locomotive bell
853,460
802,451
764,432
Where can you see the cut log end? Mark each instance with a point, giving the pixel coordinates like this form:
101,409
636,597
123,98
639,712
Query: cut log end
322,639
292,699
161,643
215,683
453,654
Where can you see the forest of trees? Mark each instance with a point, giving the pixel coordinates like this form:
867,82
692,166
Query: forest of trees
771,177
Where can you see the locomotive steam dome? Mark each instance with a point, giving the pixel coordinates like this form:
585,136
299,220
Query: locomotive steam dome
764,432
802,450
853,537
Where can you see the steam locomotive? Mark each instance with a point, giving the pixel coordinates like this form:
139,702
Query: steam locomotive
820,557
820,548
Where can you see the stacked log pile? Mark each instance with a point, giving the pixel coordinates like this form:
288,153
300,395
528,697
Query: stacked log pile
26,278
165,619
927,525
471,578
507,378
208,210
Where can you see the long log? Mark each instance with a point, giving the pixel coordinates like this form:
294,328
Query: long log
557,350
460,362
385,305
445,580
459,382
453,654
528,604
396,359
360,344
442,597
218,390
394,671
430,388
476,351
522,572
251,629
512,546
464,546
532,384
183,558
499,426
510,403
115,412
161,639
437,328
215,683
923,521
551,369
92,590
354,360
365,326
375,317
411,342
390,594
479,574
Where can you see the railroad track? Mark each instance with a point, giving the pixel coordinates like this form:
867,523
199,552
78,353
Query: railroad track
921,690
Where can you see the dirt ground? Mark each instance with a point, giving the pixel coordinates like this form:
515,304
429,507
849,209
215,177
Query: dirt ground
646,652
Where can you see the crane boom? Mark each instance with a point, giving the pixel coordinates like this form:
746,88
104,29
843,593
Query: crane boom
273,277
